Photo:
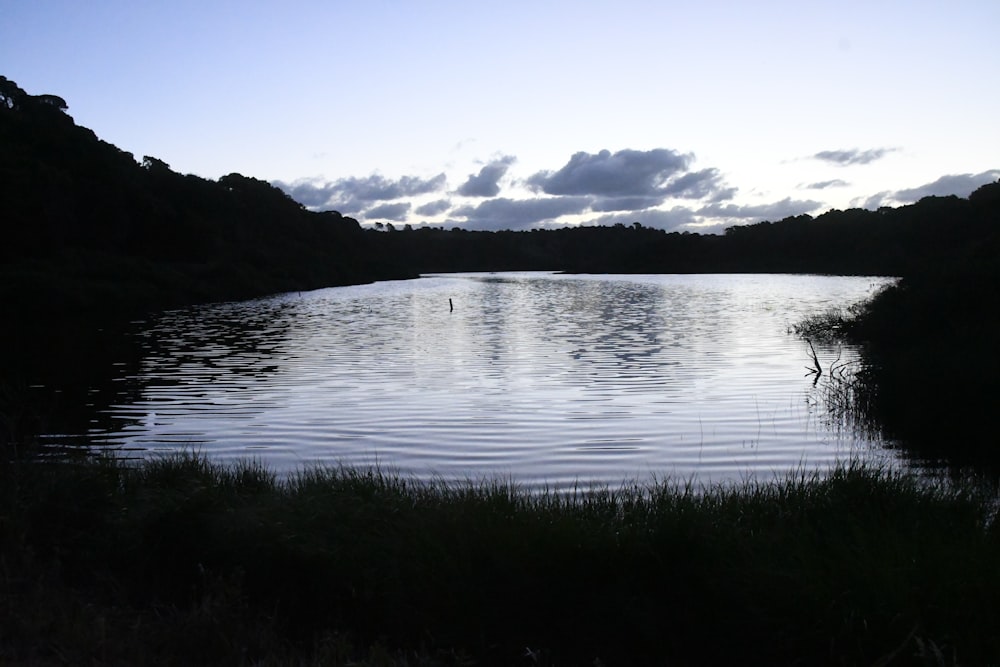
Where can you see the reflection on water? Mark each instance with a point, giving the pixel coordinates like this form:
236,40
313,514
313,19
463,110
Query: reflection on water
550,379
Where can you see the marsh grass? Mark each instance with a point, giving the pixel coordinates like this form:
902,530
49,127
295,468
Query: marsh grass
181,561
847,390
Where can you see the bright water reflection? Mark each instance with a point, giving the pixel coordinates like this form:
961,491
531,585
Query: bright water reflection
547,378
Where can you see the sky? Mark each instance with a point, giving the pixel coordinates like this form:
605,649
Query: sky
686,116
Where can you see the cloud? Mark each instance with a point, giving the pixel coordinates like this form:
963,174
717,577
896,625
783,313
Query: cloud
757,212
354,194
622,174
623,187
960,185
487,182
311,194
397,212
716,228
704,184
873,202
672,219
823,185
379,188
853,156
503,213
436,207
637,203
632,180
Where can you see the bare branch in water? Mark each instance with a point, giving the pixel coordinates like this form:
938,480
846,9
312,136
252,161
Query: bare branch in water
817,369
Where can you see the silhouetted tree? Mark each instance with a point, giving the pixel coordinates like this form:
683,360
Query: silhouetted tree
154,165
11,94
51,100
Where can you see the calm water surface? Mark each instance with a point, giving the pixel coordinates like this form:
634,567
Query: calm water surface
548,379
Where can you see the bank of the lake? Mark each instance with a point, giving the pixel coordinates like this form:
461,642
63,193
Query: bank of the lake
929,371
182,561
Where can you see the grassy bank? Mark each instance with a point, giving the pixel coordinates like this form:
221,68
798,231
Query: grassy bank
179,561
930,369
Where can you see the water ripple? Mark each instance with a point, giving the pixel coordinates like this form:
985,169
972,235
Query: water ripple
547,378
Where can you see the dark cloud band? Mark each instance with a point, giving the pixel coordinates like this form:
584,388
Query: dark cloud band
353,194
960,185
853,156
622,174
502,213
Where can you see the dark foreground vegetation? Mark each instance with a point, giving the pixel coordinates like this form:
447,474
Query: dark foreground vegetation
179,561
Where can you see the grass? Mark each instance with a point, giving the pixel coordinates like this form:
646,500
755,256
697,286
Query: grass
183,561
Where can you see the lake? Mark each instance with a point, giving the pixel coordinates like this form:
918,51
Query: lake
551,380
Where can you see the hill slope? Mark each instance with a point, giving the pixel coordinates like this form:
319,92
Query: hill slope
88,228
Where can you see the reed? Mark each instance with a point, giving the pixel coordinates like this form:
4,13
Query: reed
180,560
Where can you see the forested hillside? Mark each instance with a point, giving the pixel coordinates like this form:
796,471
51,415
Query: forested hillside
88,227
